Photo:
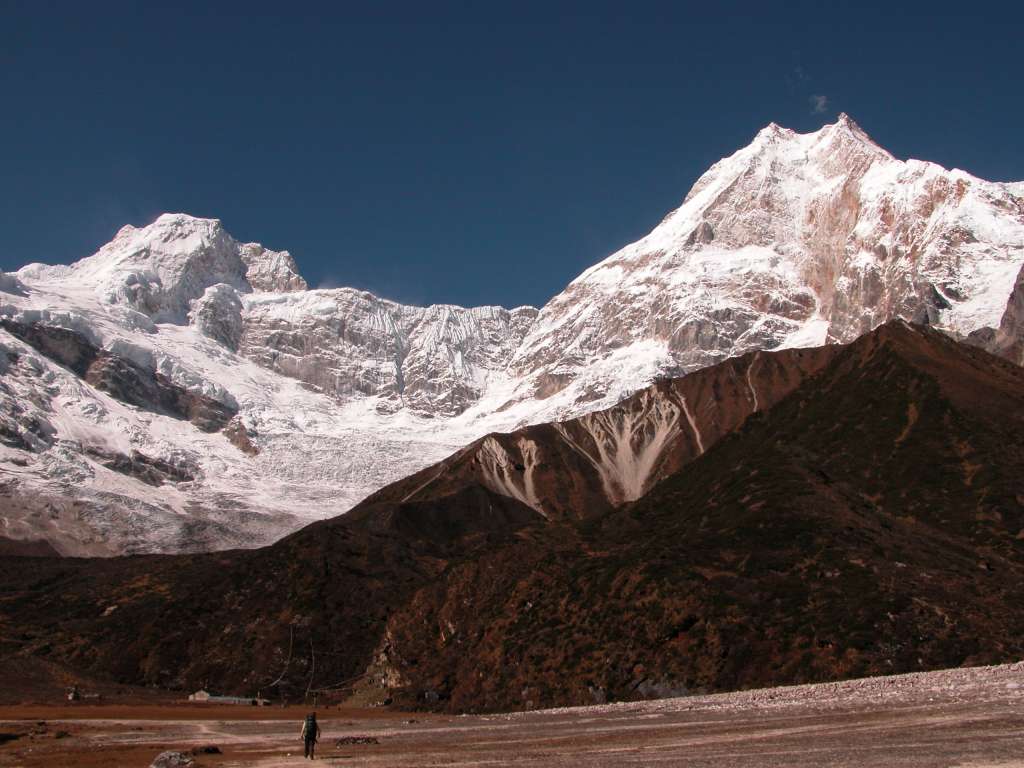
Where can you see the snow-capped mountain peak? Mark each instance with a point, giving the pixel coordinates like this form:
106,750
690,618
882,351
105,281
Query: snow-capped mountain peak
796,239
160,269
179,389
180,359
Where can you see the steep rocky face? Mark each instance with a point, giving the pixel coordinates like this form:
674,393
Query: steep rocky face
794,240
271,271
217,314
152,471
435,360
1008,339
121,378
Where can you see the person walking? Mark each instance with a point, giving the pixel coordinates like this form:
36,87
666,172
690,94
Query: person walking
310,734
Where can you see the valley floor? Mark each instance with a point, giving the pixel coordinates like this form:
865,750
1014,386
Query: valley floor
969,718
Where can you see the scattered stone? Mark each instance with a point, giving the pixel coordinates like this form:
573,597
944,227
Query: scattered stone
347,740
172,760
207,750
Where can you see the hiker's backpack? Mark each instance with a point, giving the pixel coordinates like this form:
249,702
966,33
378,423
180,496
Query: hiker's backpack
310,726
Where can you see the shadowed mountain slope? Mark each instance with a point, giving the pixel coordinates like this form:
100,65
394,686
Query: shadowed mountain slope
869,521
307,612
578,468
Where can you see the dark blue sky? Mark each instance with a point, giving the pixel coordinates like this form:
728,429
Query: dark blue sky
460,152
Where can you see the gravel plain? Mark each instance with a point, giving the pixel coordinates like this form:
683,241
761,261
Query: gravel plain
962,718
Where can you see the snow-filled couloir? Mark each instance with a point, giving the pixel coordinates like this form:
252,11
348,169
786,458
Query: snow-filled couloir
180,390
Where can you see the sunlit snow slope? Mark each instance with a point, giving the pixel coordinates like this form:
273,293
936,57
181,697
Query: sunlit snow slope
795,240
179,390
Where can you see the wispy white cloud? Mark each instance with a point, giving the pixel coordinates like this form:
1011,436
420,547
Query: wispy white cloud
819,104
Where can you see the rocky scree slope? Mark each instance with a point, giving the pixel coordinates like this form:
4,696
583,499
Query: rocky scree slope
868,522
321,397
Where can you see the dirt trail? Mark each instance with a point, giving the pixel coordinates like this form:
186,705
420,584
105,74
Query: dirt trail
955,719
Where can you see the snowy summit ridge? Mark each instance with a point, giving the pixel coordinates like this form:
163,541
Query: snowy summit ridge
179,390
794,240
160,269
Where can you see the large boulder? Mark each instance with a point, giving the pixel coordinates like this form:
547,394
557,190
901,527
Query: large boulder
172,760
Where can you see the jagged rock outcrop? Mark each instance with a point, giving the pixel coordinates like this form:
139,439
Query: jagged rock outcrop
217,314
271,271
172,760
239,436
121,378
1008,339
149,469
435,360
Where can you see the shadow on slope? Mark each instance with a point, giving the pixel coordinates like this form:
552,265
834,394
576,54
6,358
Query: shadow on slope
870,521
291,619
